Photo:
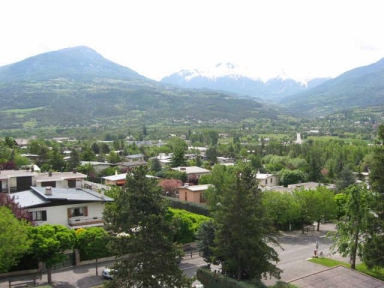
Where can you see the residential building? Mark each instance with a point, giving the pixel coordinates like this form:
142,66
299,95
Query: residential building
192,170
193,193
71,207
267,180
20,180
118,179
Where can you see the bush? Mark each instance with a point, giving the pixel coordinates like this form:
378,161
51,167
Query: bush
188,224
216,280
196,208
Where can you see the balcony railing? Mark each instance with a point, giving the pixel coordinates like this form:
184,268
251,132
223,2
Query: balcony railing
12,190
84,221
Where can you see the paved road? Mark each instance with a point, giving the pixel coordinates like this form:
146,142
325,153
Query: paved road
297,248
85,276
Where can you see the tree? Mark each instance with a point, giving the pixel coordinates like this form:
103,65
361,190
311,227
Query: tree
282,208
140,216
345,178
19,212
92,243
178,157
74,161
169,186
206,240
14,239
351,232
49,243
155,165
243,233
316,204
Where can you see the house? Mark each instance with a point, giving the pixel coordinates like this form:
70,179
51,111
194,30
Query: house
115,180
98,166
118,179
71,207
193,171
267,180
20,180
193,193
338,276
21,142
16,180
135,157
225,160
60,179
292,187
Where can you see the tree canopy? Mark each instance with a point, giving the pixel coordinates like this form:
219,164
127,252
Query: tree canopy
145,232
14,242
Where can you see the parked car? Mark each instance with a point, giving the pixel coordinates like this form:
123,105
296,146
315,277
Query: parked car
108,273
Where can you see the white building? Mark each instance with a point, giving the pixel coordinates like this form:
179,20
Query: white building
71,207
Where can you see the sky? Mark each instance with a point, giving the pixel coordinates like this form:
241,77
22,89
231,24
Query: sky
302,38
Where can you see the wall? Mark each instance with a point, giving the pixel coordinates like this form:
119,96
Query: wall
59,214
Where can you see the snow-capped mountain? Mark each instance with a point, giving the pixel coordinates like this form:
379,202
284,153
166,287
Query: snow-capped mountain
231,78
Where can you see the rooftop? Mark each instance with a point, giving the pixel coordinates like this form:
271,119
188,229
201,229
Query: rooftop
37,197
59,176
194,188
192,170
338,277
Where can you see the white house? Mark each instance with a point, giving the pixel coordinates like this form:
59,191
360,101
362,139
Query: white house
71,207
267,180
193,170
21,180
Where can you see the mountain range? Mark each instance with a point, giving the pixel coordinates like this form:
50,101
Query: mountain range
231,78
77,86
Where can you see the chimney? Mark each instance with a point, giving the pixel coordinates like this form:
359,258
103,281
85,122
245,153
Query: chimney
102,193
48,190
74,170
50,174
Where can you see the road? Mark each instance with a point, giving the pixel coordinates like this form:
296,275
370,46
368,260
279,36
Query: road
85,276
296,249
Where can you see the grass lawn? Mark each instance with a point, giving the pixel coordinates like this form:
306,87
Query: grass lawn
376,273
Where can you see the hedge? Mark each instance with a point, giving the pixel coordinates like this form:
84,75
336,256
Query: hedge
189,206
217,280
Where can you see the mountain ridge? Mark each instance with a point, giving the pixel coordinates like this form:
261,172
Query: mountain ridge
357,88
228,77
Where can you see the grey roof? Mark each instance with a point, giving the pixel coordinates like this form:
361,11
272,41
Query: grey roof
338,277
28,199
36,196
71,194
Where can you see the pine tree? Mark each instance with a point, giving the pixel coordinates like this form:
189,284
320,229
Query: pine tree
243,230
140,215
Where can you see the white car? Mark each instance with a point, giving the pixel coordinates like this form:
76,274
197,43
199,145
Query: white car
108,273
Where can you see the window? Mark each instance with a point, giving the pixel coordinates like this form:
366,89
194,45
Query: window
77,211
39,215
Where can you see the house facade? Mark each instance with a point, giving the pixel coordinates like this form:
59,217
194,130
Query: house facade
193,170
71,207
193,193
267,180
12,181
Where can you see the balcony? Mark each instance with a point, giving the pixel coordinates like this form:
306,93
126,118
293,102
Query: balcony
85,221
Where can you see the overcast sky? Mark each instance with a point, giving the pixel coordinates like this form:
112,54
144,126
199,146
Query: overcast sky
304,38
